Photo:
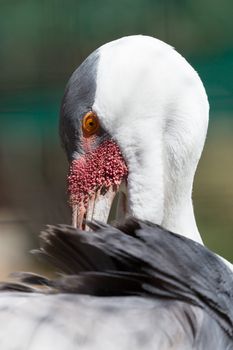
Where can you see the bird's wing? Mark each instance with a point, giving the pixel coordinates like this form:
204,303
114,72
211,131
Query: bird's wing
146,286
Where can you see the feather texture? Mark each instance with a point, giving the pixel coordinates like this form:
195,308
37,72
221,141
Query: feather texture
143,287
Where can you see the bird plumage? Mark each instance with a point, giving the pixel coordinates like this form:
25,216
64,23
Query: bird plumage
138,285
129,287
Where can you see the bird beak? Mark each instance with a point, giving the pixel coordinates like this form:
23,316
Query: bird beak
93,181
99,206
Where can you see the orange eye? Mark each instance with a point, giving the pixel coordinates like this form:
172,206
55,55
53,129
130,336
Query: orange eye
90,123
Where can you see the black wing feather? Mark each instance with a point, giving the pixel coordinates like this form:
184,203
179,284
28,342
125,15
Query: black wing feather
138,258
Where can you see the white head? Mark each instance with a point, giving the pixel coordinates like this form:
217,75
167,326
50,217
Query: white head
153,105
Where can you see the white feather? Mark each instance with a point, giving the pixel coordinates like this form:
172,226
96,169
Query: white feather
154,105
72,322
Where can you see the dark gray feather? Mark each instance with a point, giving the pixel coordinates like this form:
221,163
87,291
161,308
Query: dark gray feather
77,101
145,288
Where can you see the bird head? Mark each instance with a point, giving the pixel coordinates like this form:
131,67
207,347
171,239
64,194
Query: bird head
134,116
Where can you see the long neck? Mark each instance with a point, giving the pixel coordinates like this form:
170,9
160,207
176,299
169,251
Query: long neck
160,181
179,216
163,199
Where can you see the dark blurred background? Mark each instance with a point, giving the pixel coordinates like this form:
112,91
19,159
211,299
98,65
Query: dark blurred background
41,43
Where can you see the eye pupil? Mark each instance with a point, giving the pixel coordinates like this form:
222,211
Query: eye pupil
90,124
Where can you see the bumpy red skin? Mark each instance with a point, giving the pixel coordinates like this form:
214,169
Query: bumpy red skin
102,168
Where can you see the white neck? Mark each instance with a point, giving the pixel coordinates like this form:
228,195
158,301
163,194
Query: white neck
179,216
152,102
160,187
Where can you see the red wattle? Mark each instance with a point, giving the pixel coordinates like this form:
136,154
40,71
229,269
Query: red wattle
101,168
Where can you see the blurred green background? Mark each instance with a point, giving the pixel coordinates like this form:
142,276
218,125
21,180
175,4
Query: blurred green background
41,43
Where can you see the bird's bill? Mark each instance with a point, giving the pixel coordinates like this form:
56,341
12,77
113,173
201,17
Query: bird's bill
99,206
93,181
